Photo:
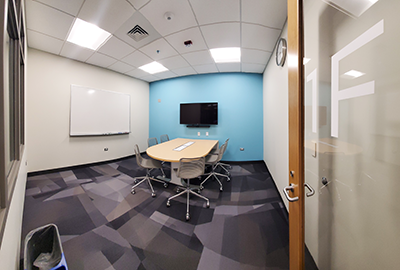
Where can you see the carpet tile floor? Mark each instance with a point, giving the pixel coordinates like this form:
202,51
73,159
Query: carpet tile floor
103,226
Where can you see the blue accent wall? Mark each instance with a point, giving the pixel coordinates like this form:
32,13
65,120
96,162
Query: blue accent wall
240,110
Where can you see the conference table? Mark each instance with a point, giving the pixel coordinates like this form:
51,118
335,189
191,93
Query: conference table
173,150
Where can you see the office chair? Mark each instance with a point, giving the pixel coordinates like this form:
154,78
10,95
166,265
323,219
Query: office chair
164,138
213,160
224,166
189,168
152,141
147,164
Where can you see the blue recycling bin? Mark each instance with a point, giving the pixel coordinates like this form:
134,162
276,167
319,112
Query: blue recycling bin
43,250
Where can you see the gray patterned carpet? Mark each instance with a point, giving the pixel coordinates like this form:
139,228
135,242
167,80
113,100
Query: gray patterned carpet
103,226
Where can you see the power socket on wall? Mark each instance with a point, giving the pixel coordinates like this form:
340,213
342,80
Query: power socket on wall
106,149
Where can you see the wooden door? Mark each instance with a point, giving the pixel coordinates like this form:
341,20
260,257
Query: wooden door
296,134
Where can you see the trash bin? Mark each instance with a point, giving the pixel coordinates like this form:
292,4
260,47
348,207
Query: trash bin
43,250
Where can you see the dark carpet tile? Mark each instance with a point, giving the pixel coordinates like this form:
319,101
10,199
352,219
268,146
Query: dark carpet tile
103,226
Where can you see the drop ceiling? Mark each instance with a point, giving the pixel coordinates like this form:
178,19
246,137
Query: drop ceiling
252,25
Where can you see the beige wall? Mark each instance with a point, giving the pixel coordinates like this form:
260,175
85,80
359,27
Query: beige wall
49,79
275,94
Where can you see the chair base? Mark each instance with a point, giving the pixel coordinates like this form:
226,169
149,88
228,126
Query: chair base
215,174
188,191
224,166
147,178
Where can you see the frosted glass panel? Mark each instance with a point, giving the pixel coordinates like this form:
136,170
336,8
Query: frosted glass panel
352,133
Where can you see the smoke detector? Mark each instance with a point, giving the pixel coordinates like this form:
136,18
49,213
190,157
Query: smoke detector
168,16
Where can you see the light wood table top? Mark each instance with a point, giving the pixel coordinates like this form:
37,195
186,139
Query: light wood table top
165,151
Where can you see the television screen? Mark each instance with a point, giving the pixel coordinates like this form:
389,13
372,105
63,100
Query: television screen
199,113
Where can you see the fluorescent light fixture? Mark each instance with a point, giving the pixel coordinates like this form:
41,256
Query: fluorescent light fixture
153,68
354,73
226,55
87,35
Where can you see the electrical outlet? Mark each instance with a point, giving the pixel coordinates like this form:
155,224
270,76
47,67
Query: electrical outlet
241,149
207,133
106,149
198,133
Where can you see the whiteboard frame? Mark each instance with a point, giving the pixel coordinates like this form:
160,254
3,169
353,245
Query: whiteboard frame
120,111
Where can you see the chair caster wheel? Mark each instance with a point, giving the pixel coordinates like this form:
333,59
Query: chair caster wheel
153,194
201,187
208,205
220,189
178,190
165,185
168,204
228,180
187,216
133,191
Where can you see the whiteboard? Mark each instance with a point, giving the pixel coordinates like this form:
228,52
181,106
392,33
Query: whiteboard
99,112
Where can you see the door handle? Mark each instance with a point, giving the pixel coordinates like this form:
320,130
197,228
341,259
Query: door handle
285,191
312,191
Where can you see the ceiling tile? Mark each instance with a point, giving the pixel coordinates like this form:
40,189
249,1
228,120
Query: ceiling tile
71,6
150,78
137,59
211,11
253,68
210,68
137,19
229,67
137,4
108,15
174,62
255,56
137,73
75,52
199,58
45,43
193,34
271,13
121,67
47,20
259,37
185,71
222,35
165,75
116,48
101,60
182,15
159,49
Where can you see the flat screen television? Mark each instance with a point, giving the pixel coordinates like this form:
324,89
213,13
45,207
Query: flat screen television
199,114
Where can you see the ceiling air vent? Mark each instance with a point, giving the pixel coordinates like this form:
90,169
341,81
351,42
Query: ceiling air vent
137,33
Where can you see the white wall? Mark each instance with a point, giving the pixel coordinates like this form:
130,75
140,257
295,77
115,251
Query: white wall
275,95
49,78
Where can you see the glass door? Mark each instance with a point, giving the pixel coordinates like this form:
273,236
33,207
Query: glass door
352,132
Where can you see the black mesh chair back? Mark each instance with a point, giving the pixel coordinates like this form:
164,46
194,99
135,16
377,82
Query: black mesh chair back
191,167
164,138
152,141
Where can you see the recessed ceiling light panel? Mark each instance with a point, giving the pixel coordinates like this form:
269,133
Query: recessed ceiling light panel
354,73
226,55
87,35
153,68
